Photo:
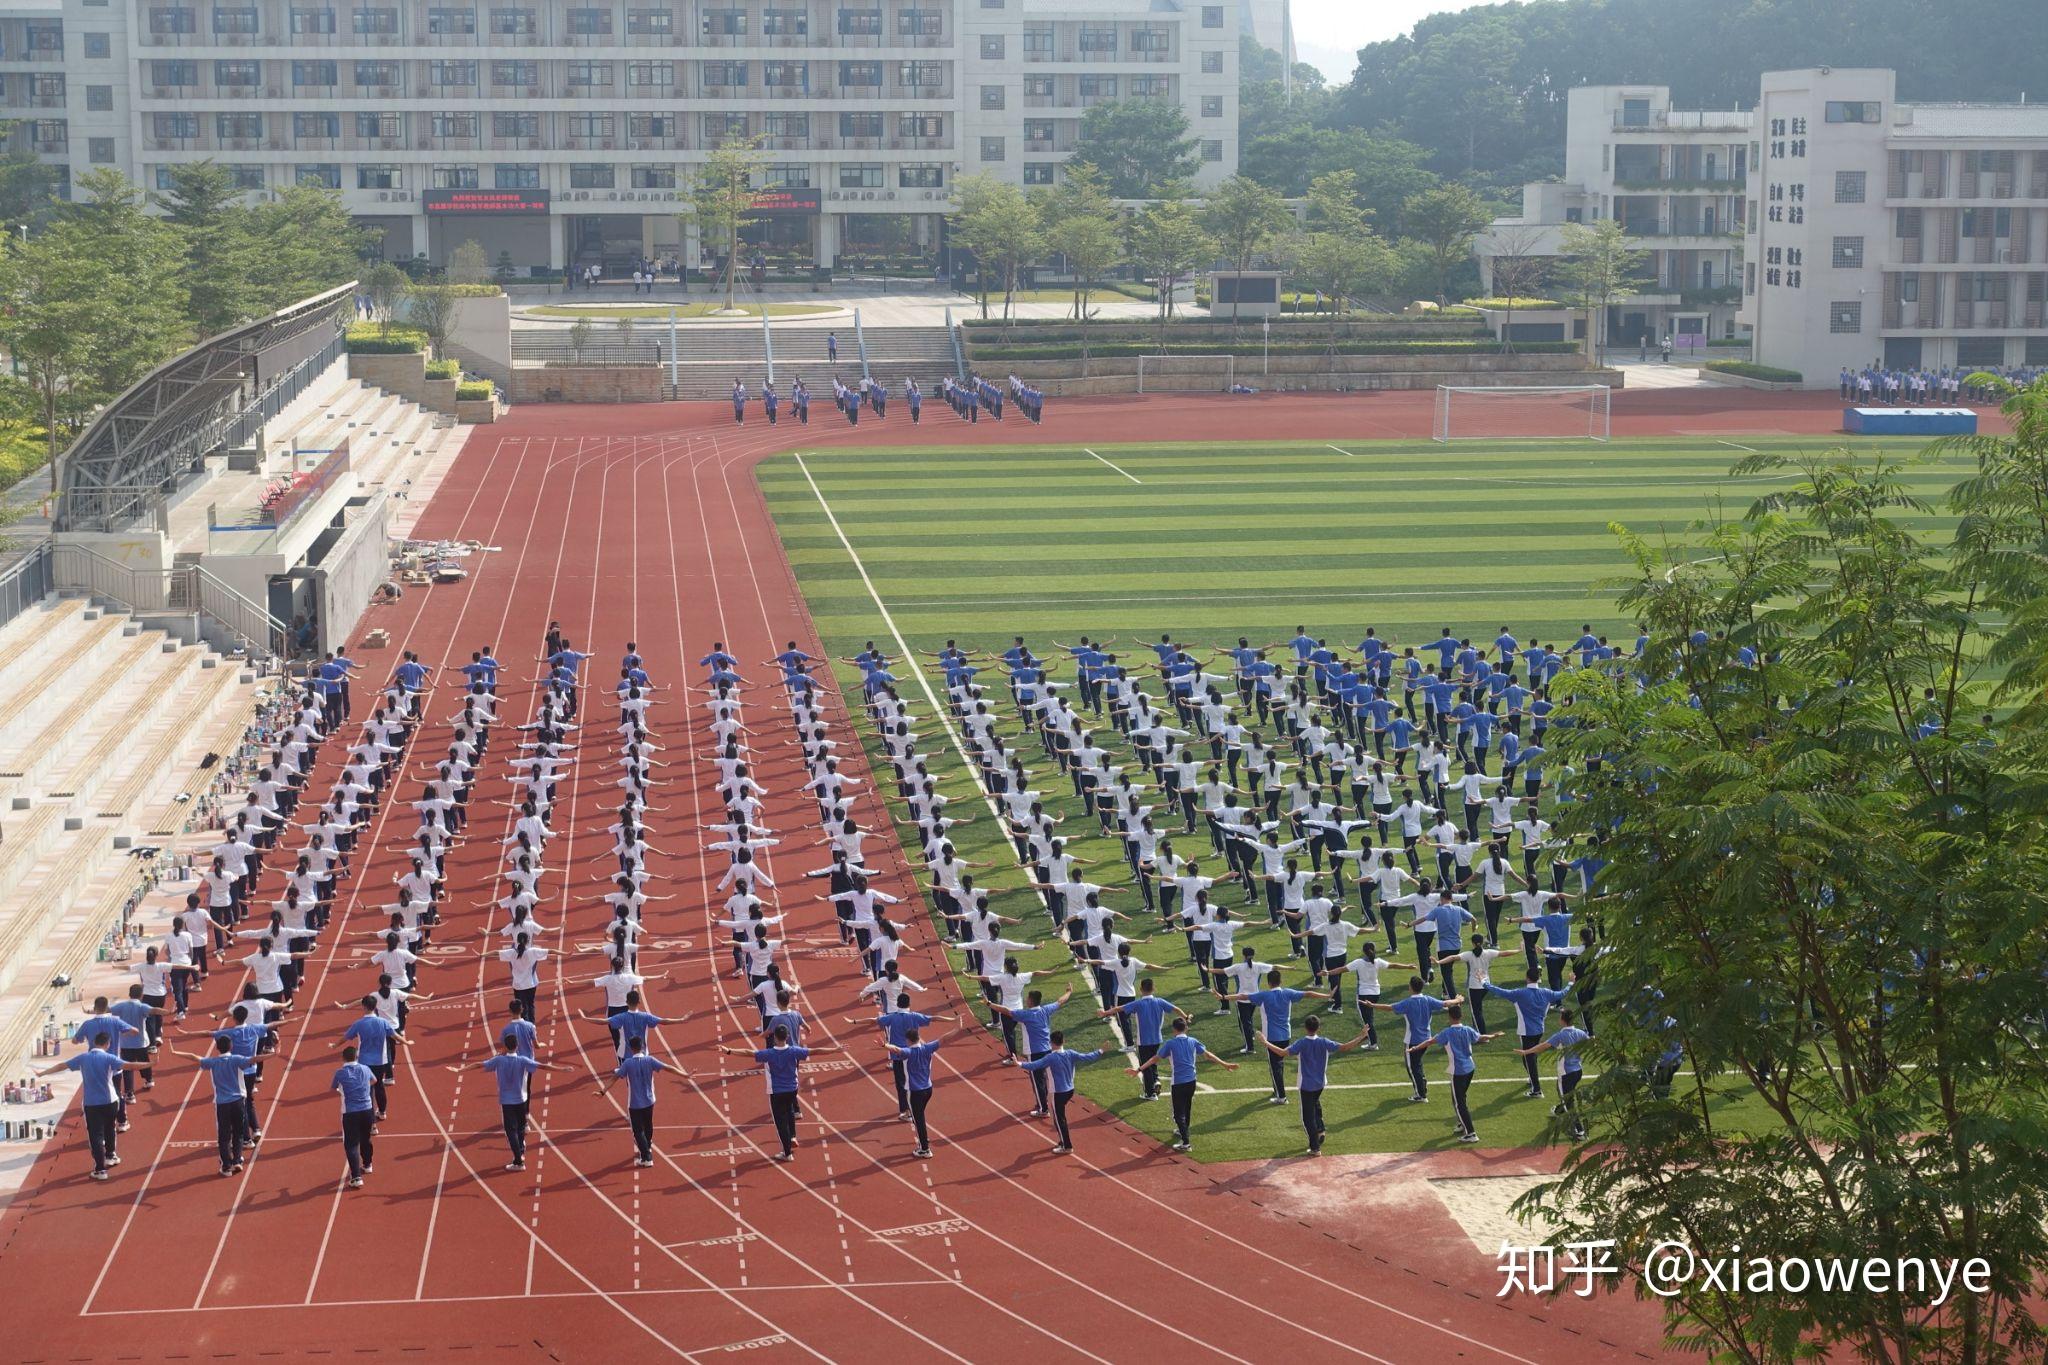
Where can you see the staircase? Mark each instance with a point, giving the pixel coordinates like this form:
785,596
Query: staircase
709,358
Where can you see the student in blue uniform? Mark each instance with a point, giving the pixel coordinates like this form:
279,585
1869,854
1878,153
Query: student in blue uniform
739,402
780,1062
638,1068
1566,1043
1150,1011
1311,1053
375,1038
1036,1016
513,1069
1059,1065
1183,1052
916,1056
352,1080
1457,1039
1532,1002
1276,1003
770,402
100,1066
1415,1012
224,1070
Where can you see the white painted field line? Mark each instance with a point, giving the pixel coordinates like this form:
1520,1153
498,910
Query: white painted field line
1119,469
1751,449
1341,451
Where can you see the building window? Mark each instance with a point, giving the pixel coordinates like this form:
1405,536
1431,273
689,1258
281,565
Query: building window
860,176
445,21
99,99
920,177
1848,253
1212,16
455,125
1151,40
920,23
515,73
454,177
796,127
99,150
650,75
2001,222
316,125
860,74
1038,173
651,22
391,126
1909,289
515,125
860,23
379,178
514,23
720,126
174,73
1095,38
1845,317
1150,87
312,21
1212,106
1212,149
98,45
1212,63
1749,278
921,125
860,125
1037,130
1907,223
1853,111
588,126
320,175
380,20
991,47
515,175
452,73
237,75
921,74
1038,87
314,73
376,73
1849,186
654,177
237,127
592,177
590,75
173,127
785,23
786,75
239,19
991,149
1098,87
725,23
173,19
789,177
725,73
586,23
1038,43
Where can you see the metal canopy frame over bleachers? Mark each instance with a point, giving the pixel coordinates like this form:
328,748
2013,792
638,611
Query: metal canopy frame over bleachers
158,432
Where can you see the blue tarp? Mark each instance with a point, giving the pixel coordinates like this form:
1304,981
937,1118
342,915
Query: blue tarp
1910,421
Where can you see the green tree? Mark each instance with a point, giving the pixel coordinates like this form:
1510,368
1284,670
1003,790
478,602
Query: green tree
28,187
1243,217
469,264
1826,899
999,224
722,201
1518,271
431,308
221,254
306,243
1082,223
384,285
1336,251
1599,266
624,327
1167,243
91,303
1444,220
579,336
1138,145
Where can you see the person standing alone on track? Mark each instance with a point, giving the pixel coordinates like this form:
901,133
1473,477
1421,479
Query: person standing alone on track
355,1081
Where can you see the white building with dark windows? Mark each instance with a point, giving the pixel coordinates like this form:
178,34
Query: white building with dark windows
1675,180
564,131
1906,235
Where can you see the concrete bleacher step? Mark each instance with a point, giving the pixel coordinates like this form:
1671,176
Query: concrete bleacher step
25,712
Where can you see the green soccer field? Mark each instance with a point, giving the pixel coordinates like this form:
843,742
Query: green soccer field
1210,542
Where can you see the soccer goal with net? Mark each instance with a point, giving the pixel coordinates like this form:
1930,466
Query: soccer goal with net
1186,373
1510,412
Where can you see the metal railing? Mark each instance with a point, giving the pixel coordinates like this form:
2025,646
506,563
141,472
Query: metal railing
184,590
26,581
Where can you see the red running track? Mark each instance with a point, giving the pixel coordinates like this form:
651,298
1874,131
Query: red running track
645,523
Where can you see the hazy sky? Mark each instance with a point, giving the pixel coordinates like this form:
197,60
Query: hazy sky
1328,33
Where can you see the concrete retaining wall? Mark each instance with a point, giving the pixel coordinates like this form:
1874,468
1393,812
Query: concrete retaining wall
1119,374
587,384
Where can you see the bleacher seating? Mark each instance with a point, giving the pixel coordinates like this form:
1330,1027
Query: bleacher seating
385,432
104,722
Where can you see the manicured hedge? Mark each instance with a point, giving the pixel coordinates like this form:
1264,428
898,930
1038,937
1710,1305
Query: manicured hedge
1518,305
443,369
471,390
1728,341
1769,374
471,291
375,338
989,351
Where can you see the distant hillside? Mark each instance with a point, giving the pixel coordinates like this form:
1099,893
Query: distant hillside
1484,89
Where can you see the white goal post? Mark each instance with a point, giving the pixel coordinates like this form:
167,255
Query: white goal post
1187,373
1522,412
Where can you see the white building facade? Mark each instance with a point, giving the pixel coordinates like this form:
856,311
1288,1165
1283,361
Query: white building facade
1675,179
1907,236
563,132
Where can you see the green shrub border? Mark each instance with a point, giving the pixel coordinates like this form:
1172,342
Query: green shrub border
376,338
443,369
1252,348
1749,369
474,390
